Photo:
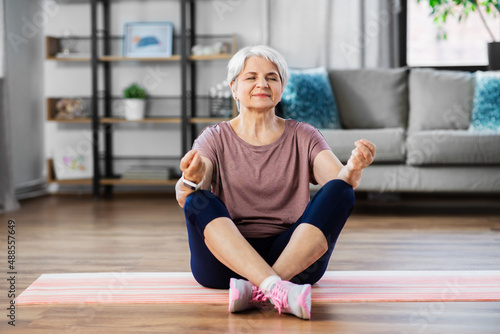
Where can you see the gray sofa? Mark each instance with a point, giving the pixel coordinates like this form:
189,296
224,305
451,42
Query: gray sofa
419,121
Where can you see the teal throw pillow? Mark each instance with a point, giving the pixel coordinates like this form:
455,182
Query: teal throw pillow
486,106
308,97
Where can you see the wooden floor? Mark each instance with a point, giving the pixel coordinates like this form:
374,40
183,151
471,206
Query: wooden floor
129,234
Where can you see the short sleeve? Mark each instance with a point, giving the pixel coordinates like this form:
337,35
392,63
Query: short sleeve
317,144
313,142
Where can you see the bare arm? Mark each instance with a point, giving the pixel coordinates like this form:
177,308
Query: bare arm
195,168
328,167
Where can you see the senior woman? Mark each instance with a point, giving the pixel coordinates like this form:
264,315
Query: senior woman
252,225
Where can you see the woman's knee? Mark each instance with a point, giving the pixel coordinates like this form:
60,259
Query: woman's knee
198,201
210,272
202,207
208,281
330,209
341,191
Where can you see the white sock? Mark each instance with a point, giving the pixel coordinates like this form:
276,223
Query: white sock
268,284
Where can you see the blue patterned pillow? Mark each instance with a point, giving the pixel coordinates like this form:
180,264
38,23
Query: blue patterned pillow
308,97
486,105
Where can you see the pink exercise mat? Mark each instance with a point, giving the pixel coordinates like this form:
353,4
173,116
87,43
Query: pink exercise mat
335,286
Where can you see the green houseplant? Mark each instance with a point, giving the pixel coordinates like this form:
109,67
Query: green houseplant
461,9
135,102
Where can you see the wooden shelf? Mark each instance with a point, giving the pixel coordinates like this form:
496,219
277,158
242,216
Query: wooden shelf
74,120
51,177
109,182
68,59
225,56
138,182
175,120
201,120
116,59
75,182
109,120
121,58
53,47
51,117
211,57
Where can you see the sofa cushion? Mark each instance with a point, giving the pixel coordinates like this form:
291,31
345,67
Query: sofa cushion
308,97
440,99
461,147
390,143
404,178
486,105
369,99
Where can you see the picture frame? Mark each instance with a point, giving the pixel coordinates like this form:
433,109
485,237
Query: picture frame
148,39
69,165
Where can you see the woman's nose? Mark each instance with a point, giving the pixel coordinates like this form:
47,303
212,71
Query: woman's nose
262,82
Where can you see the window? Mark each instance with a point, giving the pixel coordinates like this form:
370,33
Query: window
466,43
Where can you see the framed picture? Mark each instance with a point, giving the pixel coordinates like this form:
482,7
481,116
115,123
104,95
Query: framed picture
69,165
148,39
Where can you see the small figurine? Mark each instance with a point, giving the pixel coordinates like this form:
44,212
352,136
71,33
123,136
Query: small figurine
69,108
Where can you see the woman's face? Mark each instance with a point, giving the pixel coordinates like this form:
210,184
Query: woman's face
258,85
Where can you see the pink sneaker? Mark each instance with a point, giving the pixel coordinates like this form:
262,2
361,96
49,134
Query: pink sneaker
292,298
244,295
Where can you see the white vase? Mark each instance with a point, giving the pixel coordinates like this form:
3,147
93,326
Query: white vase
135,109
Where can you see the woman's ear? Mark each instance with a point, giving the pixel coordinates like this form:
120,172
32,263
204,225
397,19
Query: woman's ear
233,88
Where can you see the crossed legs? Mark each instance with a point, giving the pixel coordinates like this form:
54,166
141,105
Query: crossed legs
223,239
219,251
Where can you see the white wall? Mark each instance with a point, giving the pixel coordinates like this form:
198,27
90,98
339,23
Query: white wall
308,32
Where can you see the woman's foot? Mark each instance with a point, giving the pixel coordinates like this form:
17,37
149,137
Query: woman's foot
286,297
244,295
291,298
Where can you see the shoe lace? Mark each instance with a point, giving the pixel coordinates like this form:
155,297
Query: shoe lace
258,297
279,296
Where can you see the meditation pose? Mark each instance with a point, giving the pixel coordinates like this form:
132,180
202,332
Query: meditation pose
252,225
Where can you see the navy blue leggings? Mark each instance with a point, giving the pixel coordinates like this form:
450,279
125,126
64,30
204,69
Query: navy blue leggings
328,210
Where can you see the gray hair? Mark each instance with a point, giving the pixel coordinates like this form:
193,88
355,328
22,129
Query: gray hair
237,62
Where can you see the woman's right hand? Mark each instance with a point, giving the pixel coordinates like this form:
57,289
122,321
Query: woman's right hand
193,167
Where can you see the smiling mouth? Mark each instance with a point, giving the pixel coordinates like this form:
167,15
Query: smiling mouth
262,95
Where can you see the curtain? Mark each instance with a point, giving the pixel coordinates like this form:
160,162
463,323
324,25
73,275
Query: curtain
381,34
299,30
334,33
8,200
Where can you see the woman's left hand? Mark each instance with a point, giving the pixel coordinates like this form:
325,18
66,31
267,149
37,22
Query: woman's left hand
362,156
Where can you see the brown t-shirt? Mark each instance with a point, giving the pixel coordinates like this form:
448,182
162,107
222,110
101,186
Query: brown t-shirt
265,188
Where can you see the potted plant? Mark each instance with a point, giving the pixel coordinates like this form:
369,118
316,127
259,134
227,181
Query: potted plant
135,102
441,9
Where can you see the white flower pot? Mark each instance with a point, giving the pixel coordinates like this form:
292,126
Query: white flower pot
135,109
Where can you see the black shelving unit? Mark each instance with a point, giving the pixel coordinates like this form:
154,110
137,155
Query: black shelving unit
94,103
105,178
